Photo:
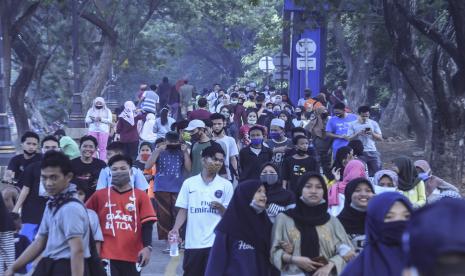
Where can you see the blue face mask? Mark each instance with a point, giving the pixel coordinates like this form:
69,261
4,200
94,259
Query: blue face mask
256,141
423,176
392,232
275,135
276,113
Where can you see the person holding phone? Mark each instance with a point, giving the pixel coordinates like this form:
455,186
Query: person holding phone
307,239
367,131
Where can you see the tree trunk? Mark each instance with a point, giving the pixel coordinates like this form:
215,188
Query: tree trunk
99,77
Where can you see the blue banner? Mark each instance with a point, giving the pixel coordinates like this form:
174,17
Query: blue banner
315,74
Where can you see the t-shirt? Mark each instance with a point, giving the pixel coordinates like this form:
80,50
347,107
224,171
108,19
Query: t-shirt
121,216
95,225
169,175
137,180
367,140
87,174
18,164
294,168
228,144
196,155
199,114
34,205
278,157
21,243
196,196
69,221
340,126
151,99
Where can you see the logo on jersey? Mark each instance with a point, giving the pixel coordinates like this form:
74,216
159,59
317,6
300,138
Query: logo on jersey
218,193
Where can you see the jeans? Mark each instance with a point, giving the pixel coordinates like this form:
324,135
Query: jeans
373,161
322,147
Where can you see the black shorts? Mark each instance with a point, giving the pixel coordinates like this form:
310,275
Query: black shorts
195,261
123,268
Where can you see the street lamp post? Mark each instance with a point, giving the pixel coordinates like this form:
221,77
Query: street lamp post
76,119
7,149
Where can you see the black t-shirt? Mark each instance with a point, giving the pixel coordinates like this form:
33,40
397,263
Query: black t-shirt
87,174
18,164
21,243
34,205
294,168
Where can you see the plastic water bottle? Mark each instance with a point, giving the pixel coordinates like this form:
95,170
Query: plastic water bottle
174,245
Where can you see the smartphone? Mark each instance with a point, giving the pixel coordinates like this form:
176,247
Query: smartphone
367,129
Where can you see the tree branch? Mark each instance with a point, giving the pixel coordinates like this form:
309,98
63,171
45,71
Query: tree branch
427,29
106,29
18,24
341,41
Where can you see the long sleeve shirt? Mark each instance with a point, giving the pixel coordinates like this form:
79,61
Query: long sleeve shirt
103,125
417,195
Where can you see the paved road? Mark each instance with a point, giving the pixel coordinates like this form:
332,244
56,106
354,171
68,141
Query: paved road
162,264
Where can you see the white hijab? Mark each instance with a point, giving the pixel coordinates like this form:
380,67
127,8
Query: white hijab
128,112
102,113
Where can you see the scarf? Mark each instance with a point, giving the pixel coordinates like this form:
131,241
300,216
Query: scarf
276,193
128,112
353,220
353,170
407,173
306,218
59,199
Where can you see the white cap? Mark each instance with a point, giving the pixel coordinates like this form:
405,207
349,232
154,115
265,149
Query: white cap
278,122
195,124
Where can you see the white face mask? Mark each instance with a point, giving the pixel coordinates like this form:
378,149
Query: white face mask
252,121
381,189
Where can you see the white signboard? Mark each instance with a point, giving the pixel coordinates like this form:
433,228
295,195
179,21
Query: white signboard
306,46
266,64
311,63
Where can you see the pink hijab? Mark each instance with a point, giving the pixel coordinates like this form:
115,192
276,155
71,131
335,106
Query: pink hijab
354,169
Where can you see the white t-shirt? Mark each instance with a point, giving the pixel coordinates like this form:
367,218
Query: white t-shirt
196,196
228,144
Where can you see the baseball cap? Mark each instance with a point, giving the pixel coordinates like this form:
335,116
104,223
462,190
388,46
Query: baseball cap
278,122
194,124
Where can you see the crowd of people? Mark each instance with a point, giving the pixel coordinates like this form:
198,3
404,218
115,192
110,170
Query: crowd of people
242,180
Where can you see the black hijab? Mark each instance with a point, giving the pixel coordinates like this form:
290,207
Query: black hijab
306,217
242,222
276,193
353,220
6,222
407,173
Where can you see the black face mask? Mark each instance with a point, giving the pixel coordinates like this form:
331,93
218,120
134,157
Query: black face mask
29,153
301,152
173,146
324,115
99,106
259,106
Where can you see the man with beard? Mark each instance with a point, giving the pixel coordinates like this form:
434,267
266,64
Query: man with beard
202,200
227,143
17,165
338,126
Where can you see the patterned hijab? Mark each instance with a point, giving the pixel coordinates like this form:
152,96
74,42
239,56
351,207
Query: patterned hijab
128,112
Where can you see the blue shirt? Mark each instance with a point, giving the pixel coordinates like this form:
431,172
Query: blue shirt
340,126
169,175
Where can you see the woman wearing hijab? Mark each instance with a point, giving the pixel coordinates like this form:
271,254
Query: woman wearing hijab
354,169
319,244
386,220
278,199
410,184
385,181
242,242
99,119
146,133
434,185
358,193
126,128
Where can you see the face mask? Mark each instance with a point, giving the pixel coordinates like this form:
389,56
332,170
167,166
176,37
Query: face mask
120,178
269,179
301,152
381,189
298,114
145,156
186,136
423,176
195,137
256,141
173,147
29,153
269,110
341,115
276,113
275,135
324,115
278,101
259,106
44,151
99,106
252,121
225,114
258,209
234,101
213,168
392,232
